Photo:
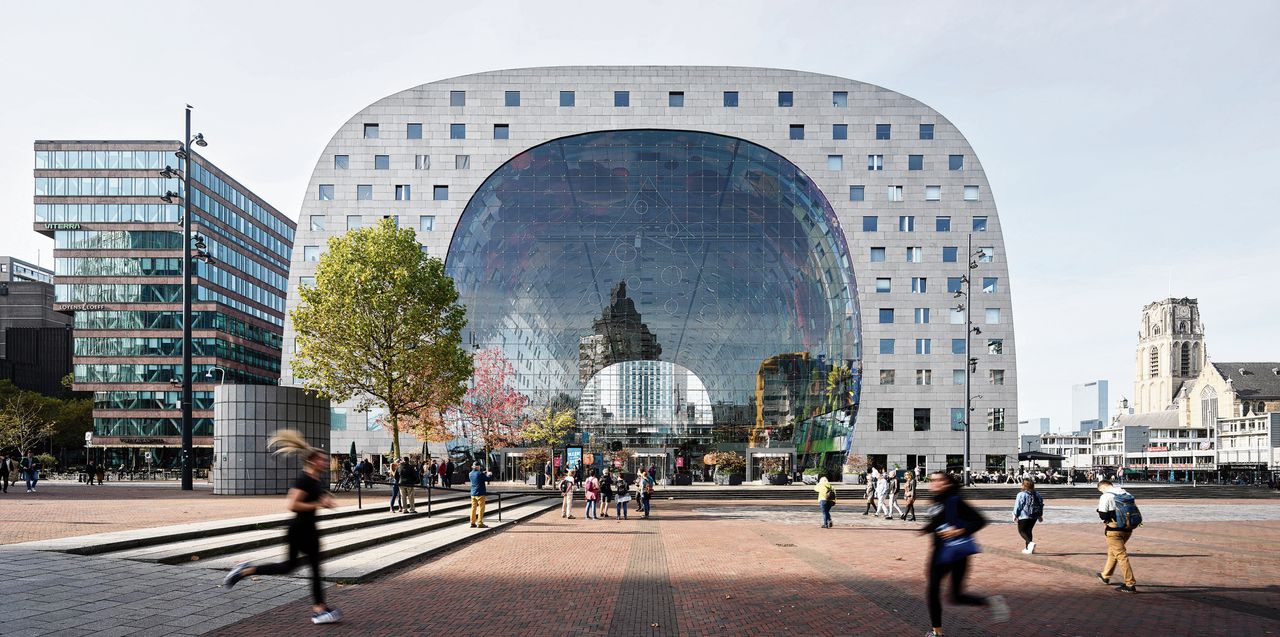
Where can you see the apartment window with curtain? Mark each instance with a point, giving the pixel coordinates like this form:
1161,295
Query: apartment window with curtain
403,192
924,376
919,285
933,193
888,376
353,222
875,162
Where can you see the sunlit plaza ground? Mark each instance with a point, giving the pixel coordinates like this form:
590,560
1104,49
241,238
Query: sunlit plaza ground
713,567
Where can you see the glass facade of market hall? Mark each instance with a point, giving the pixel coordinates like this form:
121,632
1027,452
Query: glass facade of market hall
677,288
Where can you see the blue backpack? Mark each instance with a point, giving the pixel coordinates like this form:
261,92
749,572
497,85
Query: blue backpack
1128,517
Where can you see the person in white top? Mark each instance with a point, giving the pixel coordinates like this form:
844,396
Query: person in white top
1117,553
882,496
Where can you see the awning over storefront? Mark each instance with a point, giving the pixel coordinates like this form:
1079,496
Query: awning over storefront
1038,455
146,442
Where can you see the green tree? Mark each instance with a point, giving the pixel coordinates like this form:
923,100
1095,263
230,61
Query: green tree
382,325
23,421
550,426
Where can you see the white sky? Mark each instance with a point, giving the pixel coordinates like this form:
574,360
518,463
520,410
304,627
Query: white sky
1130,146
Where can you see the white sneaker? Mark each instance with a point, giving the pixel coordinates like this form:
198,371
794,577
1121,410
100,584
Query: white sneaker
331,616
1026,551
999,609
1031,548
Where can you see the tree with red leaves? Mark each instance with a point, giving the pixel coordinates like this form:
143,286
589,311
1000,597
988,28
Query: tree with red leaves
492,412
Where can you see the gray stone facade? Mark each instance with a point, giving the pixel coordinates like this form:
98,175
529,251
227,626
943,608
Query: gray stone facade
244,418
914,184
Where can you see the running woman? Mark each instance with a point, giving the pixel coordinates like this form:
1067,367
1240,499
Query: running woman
305,498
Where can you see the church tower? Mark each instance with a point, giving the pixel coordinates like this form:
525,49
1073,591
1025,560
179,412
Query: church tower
1170,352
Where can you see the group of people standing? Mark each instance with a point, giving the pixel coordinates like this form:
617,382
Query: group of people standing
27,469
610,489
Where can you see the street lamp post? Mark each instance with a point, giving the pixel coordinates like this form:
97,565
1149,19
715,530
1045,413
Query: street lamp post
971,361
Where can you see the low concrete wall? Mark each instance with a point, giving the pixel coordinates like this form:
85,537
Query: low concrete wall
244,418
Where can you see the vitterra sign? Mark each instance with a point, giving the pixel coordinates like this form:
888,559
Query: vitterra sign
61,226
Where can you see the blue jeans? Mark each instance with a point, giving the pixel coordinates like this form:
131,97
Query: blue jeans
32,478
592,509
826,512
395,495
644,504
622,509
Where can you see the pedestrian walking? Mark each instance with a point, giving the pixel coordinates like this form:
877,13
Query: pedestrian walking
479,479
446,475
622,492
433,473
952,525
606,493
100,470
30,471
826,500
305,498
1027,510
88,473
567,484
393,480
1116,509
645,486
892,492
909,490
591,491
408,479
882,495
4,473
869,494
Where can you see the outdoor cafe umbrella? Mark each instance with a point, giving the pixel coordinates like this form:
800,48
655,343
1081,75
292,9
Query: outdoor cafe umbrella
353,451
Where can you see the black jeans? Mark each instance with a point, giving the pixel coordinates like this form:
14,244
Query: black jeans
956,570
301,540
1024,529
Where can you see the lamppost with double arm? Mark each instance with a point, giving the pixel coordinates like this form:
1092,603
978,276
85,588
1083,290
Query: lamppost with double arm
971,362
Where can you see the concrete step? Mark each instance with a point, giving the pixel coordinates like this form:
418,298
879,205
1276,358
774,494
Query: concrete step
361,566
351,540
202,548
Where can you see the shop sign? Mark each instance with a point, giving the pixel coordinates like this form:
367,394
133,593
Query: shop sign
61,226
1158,448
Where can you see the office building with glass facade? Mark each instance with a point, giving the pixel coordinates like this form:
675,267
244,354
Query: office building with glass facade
698,258
118,269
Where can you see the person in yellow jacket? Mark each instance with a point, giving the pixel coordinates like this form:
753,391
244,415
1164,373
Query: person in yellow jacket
826,500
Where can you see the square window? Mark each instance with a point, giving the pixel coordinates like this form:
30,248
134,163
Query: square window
567,98
839,131
894,193
413,131
920,417
933,193
955,162
870,223
326,192
857,193
501,131
995,419
995,376
461,162
317,223
840,99
957,316
424,249
924,346
915,162
341,162
979,224
457,131
370,131
877,255
364,192
915,255
675,99
949,254
906,224
511,98
924,376
919,285
943,224
926,131
730,99
381,162
395,220
426,223
785,99
835,162
995,346
957,377
421,162
622,99
882,131
986,254
884,419
886,346
957,346
457,98
440,193
307,281
970,193
954,284
353,222
884,285
921,316
875,162
957,421
403,192
310,253
886,315
797,131
887,376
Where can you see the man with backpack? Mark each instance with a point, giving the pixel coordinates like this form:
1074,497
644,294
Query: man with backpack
1119,512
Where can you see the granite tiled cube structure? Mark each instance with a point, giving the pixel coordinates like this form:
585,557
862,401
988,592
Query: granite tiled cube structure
244,419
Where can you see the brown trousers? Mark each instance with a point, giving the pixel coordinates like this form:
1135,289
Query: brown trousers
1117,554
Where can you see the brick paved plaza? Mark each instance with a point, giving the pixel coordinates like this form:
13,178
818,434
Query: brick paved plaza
1204,567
